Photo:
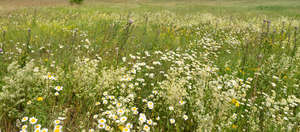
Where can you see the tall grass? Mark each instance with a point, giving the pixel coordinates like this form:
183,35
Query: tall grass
119,69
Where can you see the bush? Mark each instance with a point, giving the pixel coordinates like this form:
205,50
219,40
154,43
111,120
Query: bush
76,1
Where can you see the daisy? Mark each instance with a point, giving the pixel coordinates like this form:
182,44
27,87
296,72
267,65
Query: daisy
56,122
97,103
121,111
24,119
33,120
158,118
101,126
146,128
119,104
181,102
185,117
171,108
58,127
102,121
111,97
44,130
115,117
142,118
149,122
107,128
51,77
38,126
123,119
24,127
150,105
134,109
105,93
95,116
105,101
155,92
91,130
129,125
107,112
135,112
172,121
57,130
58,88
37,130
126,129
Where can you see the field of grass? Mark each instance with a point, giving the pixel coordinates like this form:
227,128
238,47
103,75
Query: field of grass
150,65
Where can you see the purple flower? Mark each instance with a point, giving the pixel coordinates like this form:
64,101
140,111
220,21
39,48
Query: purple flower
1,50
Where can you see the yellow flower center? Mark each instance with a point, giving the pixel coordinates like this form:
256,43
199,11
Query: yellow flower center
32,120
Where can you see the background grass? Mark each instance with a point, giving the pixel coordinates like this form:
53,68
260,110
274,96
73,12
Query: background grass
274,8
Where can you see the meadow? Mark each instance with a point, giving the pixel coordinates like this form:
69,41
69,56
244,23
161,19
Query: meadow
150,65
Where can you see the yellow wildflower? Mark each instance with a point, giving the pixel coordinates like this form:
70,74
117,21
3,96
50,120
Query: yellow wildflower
121,128
233,100
227,69
39,98
237,104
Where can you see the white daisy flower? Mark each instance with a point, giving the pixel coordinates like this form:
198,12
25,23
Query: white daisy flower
121,111
129,125
185,117
123,119
37,130
101,126
119,104
24,127
134,109
158,118
24,119
33,120
172,121
105,101
149,122
146,128
181,102
102,121
142,118
44,130
38,126
58,88
107,128
150,104
56,122
126,129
